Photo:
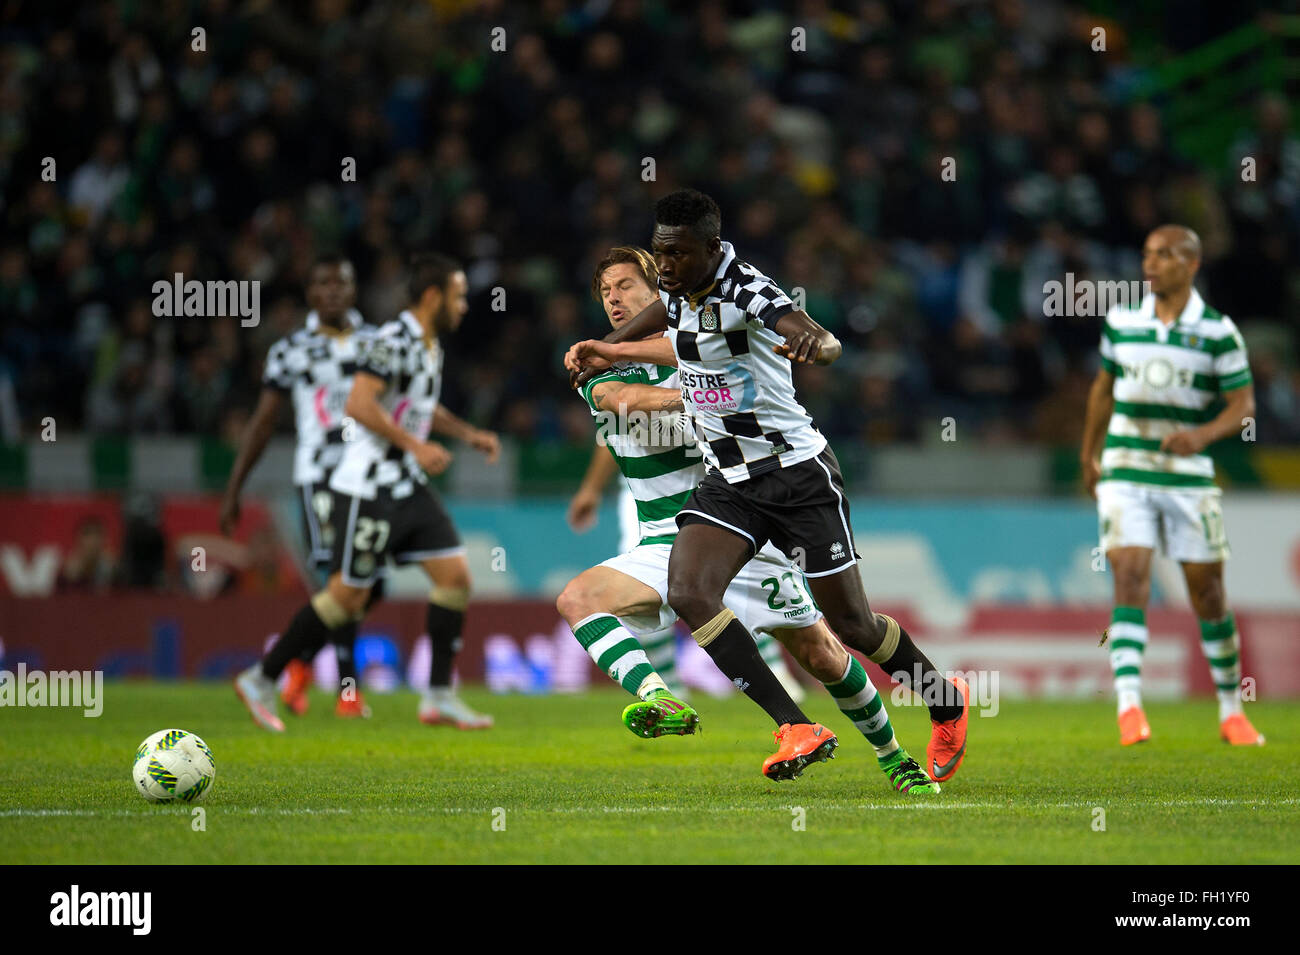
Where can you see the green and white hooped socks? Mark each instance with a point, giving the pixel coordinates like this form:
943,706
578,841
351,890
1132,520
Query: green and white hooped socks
858,700
1128,641
618,653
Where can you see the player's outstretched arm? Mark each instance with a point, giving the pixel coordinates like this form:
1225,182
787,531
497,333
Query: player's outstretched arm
651,320
594,355
454,426
1101,402
806,342
251,445
364,408
622,398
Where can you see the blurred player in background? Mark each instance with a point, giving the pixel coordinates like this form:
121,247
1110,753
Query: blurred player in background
1164,365
383,506
313,367
637,406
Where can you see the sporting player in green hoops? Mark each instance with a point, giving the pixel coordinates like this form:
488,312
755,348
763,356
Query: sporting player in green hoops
637,408
770,475
1151,414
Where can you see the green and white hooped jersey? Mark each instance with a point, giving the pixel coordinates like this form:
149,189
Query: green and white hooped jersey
656,453
1167,378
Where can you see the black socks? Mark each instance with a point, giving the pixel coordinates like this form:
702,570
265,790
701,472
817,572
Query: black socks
908,664
444,625
736,655
306,633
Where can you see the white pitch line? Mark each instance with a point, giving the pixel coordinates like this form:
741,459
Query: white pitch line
629,810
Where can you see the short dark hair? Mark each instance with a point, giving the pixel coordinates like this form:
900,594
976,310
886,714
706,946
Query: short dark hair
428,269
690,207
626,254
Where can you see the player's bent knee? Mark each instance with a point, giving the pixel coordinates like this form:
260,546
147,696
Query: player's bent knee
819,653
451,597
692,603
575,600
338,603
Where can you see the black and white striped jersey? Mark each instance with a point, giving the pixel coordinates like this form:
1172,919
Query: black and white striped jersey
739,392
412,370
314,366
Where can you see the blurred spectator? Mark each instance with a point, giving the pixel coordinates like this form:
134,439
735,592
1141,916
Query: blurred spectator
90,565
144,550
384,127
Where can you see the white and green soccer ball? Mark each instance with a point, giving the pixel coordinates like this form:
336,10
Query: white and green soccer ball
173,765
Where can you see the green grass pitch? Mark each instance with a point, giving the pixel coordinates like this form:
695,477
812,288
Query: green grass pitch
575,786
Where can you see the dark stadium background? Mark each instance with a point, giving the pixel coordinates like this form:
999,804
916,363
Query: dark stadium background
527,163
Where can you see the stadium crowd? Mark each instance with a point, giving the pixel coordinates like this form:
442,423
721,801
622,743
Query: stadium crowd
227,162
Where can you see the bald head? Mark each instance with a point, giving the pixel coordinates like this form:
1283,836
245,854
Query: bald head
1183,240
1170,258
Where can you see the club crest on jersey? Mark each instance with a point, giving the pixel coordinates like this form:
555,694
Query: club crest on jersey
708,319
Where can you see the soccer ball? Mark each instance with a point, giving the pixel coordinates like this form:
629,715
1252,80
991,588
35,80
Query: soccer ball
173,765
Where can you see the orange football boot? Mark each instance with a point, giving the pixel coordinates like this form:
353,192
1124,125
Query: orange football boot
1236,729
1133,727
797,746
294,693
354,708
947,746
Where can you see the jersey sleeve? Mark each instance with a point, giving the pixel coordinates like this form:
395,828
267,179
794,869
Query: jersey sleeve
1231,364
761,298
1107,348
610,375
278,374
381,356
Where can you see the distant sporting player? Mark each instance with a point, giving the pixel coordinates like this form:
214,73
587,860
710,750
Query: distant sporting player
312,367
383,506
770,475
1165,366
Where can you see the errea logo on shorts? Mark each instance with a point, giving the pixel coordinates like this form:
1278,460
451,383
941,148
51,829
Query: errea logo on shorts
103,908
837,551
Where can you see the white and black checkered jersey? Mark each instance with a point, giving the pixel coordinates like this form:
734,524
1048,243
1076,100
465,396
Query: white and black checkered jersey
314,366
397,353
739,392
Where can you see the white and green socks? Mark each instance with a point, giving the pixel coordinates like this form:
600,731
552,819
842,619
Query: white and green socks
858,700
1128,641
1222,648
618,653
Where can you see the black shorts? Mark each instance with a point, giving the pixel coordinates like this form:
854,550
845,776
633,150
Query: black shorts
317,503
801,509
404,530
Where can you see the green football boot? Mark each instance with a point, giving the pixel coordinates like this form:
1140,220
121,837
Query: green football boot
906,776
661,715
